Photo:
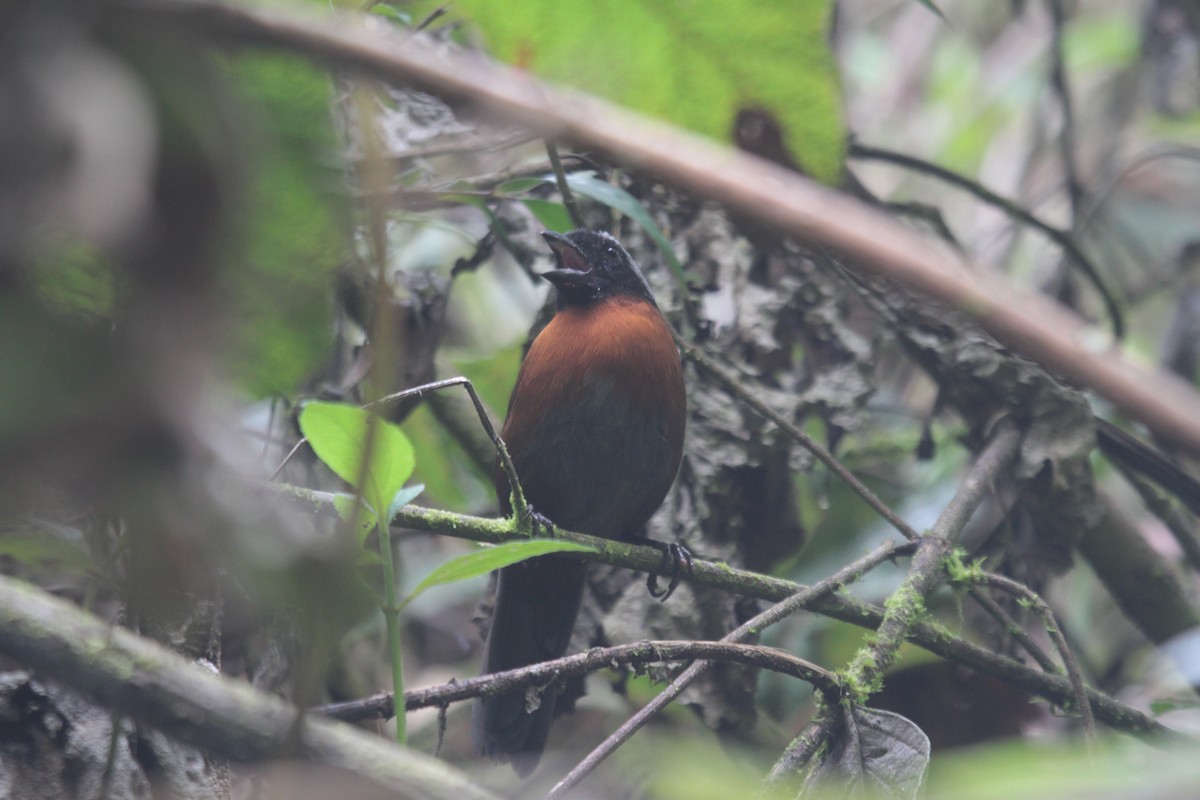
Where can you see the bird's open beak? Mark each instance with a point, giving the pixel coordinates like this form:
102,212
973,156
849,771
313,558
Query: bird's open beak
572,266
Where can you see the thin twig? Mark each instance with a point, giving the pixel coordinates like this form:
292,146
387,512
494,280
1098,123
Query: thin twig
290,455
1066,136
1170,514
430,18
1099,198
753,626
560,177
738,390
547,674
1013,628
932,215
1060,237
809,742
1029,597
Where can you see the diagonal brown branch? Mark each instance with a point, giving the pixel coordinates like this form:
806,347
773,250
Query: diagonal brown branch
1029,323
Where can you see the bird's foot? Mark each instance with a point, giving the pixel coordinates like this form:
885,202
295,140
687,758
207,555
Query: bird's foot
538,523
678,559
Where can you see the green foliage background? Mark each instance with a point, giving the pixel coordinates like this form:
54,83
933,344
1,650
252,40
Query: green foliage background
690,62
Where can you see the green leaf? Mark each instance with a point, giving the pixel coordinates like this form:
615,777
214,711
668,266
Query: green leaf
695,63
390,12
589,184
402,498
553,216
519,185
481,562
338,433
1167,705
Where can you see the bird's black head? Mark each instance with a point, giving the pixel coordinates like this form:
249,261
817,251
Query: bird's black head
591,267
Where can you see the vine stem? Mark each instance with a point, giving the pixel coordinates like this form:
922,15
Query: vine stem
391,618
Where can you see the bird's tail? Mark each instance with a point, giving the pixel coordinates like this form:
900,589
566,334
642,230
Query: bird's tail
537,602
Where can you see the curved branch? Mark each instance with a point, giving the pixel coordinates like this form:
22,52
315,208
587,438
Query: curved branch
548,673
1027,596
774,614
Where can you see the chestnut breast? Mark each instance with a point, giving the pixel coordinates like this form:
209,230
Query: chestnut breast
596,420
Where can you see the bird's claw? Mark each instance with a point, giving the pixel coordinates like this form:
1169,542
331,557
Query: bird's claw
538,522
678,559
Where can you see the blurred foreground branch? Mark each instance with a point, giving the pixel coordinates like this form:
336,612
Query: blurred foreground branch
149,683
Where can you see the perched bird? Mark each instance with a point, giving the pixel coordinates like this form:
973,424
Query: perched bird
595,429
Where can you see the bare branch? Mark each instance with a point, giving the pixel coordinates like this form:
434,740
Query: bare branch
547,674
753,626
1014,210
1026,595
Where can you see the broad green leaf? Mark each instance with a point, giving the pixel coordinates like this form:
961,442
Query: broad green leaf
694,63
481,562
553,216
589,185
338,434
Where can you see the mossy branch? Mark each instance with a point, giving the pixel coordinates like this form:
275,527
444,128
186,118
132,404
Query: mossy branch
864,675
927,635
